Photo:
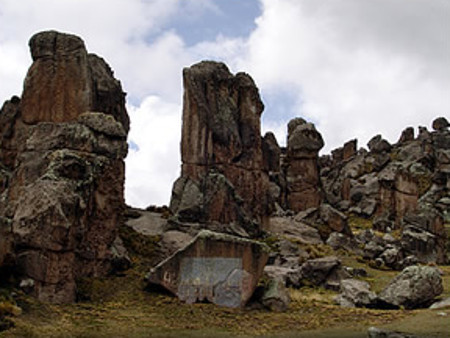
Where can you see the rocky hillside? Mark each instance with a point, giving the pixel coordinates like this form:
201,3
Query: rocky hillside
281,236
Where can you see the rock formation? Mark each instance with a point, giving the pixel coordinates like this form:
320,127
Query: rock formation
62,168
222,177
302,172
403,186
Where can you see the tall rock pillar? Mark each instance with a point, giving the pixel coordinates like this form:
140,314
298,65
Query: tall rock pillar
63,153
222,178
302,172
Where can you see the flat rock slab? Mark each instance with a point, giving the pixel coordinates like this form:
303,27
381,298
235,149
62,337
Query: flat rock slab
219,268
148,224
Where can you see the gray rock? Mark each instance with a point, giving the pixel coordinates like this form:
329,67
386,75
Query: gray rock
374,332
280,272
445,303
358,292
120,259
415,286
276,297
294,230
372,250
317,271
148,223
338,241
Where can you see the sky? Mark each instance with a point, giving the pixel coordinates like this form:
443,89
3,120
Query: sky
354,68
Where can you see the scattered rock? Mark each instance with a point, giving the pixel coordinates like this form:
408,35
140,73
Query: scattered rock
356,293
414,287
276,297
219,268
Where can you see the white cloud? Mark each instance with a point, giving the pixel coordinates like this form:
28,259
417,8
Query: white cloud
359,68
152,169
355,68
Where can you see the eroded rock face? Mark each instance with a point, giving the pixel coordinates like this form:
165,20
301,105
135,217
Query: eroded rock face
222,178
220,268
399,186
64,81
63,199
302,172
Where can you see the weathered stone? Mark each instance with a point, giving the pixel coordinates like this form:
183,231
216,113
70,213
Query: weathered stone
64,199
340,241
276,297
407,135
221,149
317,271
378,145
271,153
64,82
415,286
220,268
349,149
302,173
295,230
279,272
440,123
325,219
358,293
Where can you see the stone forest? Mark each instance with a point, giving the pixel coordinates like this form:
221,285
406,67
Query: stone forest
258,239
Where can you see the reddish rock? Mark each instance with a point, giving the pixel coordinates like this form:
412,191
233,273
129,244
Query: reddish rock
222,176
64,197
64,81
219,268
349,149
302,173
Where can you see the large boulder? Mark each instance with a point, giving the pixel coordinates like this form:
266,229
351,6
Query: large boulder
222,178
219,268
415,286
64,198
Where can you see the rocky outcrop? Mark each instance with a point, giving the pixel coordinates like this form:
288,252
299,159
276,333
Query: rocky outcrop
222,177
402,186
219,268
62,149
65,81
302,172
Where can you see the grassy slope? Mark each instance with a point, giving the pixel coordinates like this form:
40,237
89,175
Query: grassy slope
119,307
